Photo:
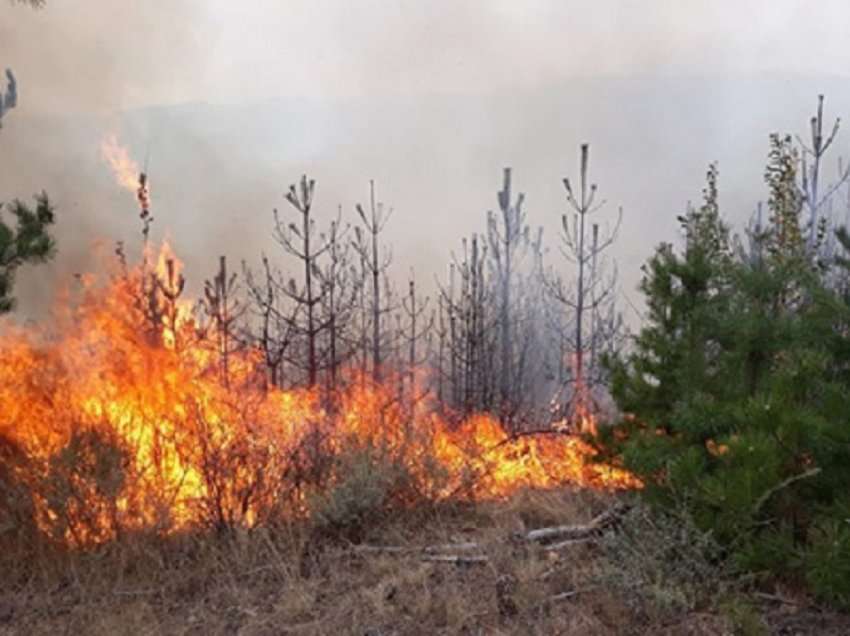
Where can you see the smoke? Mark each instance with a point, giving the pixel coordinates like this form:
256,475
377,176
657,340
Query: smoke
228,104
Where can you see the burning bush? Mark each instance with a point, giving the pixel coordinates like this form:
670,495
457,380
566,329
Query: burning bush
17,520
80,492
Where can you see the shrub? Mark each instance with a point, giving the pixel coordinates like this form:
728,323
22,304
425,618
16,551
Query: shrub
367,481
662,564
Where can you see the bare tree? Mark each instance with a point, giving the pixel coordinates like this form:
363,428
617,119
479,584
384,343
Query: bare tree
275,332
414,328
508,240
812,158
341,284
582,245
375,265
302,241
222,306
469,339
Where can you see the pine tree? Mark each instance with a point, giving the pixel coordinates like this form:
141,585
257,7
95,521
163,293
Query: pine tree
27,241
686,293
737,389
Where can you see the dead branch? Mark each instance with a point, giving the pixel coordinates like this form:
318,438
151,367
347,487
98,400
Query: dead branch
560,545
454,558
573,532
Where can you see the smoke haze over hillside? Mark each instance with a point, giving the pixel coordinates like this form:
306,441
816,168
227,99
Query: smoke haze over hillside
230,104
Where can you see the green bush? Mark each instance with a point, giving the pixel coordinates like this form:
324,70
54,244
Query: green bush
738,388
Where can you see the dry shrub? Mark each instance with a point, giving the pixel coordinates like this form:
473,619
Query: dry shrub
662,564
368,483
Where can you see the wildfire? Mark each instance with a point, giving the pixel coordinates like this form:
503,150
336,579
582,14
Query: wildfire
125,170
127,426
127,173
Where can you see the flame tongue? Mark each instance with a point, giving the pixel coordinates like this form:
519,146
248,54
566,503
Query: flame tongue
124,169
180,439
127,173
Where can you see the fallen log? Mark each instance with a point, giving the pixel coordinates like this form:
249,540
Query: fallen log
575,532
552,539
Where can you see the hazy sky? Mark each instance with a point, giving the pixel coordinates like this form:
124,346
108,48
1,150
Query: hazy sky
233,101
109,54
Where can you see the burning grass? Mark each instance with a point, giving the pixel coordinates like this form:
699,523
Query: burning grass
148,487
122,418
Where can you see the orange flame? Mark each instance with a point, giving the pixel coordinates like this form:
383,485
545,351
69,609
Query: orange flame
125,170
126,431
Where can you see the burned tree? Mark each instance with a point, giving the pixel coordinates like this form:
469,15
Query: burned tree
468,341
302,241
415,326
224,309
509,242
163,294
591,296
276,324
341,283
374,265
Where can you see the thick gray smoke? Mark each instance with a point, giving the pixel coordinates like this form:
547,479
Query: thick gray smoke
228,104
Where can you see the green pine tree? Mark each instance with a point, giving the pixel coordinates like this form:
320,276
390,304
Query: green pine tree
27,241
672,372
737,390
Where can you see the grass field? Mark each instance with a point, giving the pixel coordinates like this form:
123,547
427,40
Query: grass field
411,572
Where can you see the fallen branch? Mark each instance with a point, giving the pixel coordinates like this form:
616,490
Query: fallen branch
455,558
574,532
553,547
563,596
775,598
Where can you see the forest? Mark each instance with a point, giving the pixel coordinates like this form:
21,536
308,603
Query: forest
319,442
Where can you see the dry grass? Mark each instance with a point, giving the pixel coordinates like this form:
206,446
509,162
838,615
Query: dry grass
296,580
